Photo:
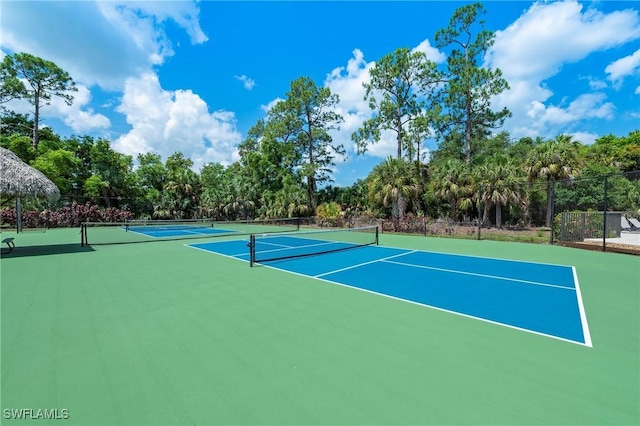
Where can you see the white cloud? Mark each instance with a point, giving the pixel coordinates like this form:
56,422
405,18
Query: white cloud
100,43
247,82
347,82
595,83
585,106
147,37
79,116
637,92
184,13
432,53
168,121
584,137
266,108
537,45
623,67
549,35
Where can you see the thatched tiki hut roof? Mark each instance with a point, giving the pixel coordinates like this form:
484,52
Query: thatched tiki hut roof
20,180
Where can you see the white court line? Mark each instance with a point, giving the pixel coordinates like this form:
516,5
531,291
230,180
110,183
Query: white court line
291,247
364,263
531,262
230,256
193,232
583,313
513,327
497,277
141,233
146,234
274,244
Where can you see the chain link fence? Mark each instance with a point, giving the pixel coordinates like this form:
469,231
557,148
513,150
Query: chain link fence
599,212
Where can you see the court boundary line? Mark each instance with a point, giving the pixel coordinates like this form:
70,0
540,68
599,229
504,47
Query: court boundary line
140,233
189,233
481,257
215,252
231,256
496,277
586,334
583,313
431,306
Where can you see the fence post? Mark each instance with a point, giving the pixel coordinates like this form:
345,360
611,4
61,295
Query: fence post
553,205
83,235
252,249
604,214
18,215
480,218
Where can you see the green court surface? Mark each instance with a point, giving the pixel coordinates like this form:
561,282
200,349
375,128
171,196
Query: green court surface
161,334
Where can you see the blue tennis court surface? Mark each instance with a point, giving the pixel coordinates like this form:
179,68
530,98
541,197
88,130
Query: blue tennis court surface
539,298
176,230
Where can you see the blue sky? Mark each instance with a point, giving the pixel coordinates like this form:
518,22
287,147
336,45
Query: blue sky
194,77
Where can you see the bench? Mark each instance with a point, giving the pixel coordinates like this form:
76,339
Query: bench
9,242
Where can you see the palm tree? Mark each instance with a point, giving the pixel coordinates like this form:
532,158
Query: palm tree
498,185
239,203
290,200
184,187
553,160
453,181
393,182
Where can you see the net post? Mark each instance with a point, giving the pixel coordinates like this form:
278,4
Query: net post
377,236
480,213
83,235
252,250
604,216
553,201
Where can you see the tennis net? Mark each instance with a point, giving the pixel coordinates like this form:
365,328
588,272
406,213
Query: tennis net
268,248
137,231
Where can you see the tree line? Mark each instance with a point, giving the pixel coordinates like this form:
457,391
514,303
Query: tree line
286,160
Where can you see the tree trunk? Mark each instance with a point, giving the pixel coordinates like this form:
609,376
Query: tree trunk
485,213
311,179
468,123
36,119
499,215
399,131
311,189
398,208
549,203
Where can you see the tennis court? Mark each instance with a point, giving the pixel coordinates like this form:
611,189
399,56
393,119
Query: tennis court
534,297
161,333
164,231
